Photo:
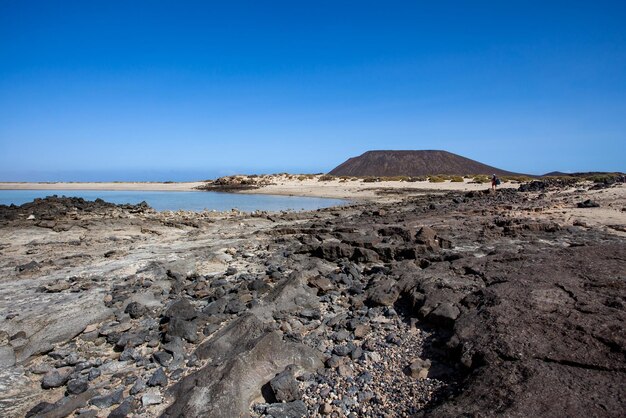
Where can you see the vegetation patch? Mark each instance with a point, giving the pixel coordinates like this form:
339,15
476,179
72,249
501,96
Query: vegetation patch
436,179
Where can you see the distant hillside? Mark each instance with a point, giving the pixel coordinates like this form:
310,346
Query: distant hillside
583,174
412,163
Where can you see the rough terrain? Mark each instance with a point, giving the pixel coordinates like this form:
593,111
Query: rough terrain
449,304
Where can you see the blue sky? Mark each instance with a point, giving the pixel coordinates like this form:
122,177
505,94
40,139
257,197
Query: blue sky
158,90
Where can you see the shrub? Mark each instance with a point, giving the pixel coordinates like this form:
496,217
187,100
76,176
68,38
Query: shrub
436,179
608,178
519,179
417,178
326,177
394,178
457,179
481,179
371,180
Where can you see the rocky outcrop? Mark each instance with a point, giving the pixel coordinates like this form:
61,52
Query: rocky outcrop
447,305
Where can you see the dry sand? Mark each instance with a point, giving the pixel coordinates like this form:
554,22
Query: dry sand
282,185
359,190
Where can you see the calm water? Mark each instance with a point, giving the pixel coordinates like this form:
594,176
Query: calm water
195,201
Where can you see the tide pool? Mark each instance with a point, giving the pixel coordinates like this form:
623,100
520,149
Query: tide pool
194,201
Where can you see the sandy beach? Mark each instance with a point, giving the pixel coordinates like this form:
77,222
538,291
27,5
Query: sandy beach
280,185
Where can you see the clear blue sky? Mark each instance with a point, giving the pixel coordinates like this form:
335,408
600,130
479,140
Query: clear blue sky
157,90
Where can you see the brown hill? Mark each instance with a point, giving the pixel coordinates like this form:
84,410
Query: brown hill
412,163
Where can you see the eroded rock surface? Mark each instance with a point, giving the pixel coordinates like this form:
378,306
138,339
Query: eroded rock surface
478,304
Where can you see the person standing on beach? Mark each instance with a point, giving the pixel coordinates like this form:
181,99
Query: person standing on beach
494,182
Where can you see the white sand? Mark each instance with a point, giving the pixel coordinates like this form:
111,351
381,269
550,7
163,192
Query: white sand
359,190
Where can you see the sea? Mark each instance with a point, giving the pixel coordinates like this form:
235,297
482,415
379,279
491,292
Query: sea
191,201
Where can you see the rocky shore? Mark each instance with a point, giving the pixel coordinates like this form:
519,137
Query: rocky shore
449,304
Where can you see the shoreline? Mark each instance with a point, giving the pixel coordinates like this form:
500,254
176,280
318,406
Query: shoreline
280,185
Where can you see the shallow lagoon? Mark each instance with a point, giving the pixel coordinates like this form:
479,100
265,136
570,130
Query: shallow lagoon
194,201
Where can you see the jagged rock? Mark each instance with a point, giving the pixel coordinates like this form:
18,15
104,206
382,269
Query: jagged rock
444,315
234,307
76,386
138,387
285,387
246,352
182,309
122,411
159,378
56,378
293,409
135,310
163,358
384,292
333,251
322,284
588,204
106,401
216,307
184,329
259,286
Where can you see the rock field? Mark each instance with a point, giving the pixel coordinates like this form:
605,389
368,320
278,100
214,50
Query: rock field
445,304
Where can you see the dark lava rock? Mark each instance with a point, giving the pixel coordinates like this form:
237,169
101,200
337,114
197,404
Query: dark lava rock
163,358
235,306
295,409
158,378
533,186
588,204
322,284
544,344
258,285
184,329
444,315
333,251
342,350
384,292
182,309
285,386
122,411
56,378
94,374
216,307
109,400
76,386
138,387
40,409
135,310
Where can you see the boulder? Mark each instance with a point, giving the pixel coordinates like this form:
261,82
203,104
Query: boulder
56,378
242,358
182,310
293,409
284,386
444,315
